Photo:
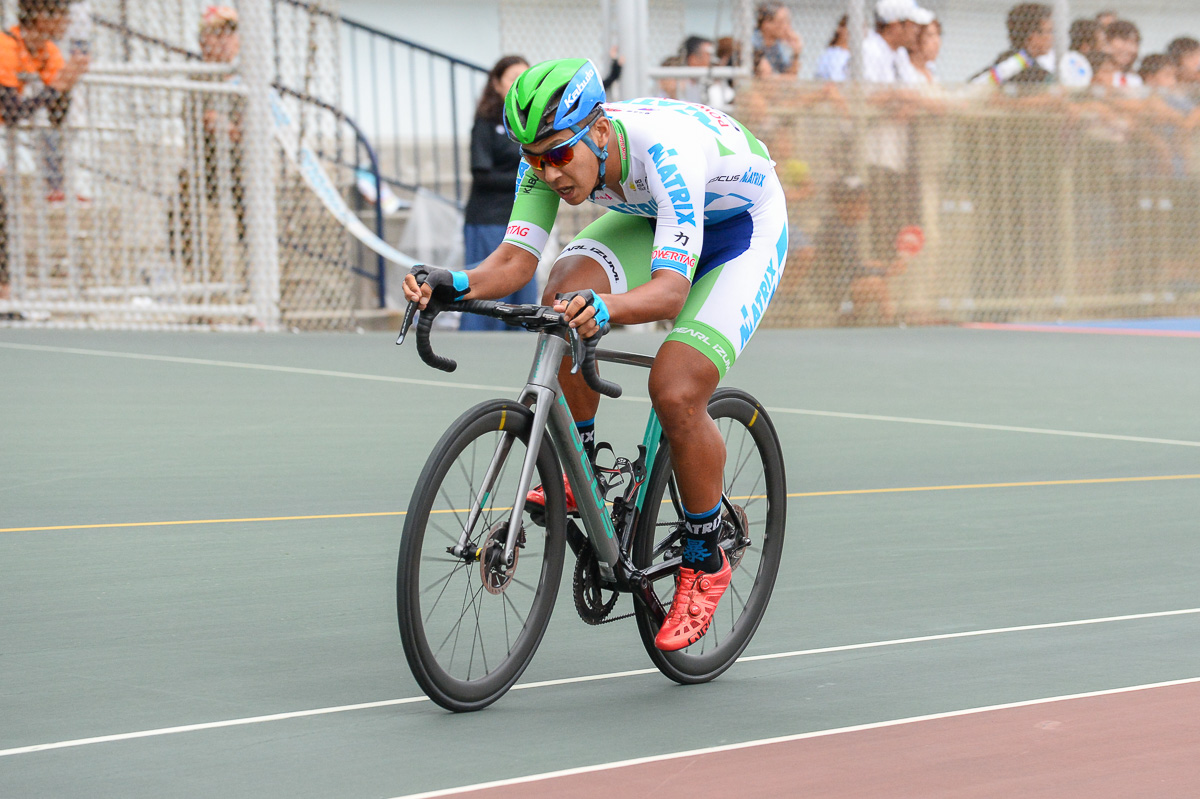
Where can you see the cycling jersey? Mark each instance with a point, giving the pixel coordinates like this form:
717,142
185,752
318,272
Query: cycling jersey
684,164
701,199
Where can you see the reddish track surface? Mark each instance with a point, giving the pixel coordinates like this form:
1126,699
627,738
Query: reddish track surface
1141,743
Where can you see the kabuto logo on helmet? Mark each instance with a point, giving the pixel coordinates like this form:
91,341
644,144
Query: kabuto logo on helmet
581,81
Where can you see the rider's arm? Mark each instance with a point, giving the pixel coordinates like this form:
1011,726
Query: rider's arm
677,181
514,262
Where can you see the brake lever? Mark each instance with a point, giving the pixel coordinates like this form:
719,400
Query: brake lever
577,349
409,313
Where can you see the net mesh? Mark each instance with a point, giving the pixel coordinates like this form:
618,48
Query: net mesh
1035,203
137,207
138,203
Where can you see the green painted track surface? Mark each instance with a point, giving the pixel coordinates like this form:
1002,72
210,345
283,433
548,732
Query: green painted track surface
126,628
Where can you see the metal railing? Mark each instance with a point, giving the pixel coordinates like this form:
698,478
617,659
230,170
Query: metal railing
331,150
419,105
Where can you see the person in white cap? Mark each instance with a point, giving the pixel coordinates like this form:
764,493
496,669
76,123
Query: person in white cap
897,23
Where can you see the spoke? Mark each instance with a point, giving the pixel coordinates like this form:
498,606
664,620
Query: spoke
445,579
457,626
525,585
462,525
445,533
515,609
742,462
753,492
479,635
495,490
504,615
737,594
454,630
741,448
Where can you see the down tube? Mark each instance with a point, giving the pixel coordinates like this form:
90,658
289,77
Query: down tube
578,467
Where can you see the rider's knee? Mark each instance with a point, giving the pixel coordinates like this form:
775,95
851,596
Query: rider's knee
573,274
677,401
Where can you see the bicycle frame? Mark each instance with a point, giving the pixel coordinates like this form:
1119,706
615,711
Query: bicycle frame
543,393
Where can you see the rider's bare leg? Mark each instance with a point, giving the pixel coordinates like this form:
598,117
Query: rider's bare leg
681,383
575,273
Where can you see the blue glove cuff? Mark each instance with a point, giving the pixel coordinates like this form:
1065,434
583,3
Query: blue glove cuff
461,282
602,316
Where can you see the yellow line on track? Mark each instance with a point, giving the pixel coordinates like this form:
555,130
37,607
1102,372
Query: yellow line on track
847,492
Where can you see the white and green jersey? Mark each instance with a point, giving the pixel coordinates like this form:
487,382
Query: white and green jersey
683,165
701,199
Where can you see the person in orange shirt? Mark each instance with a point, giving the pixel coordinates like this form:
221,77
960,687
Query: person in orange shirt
33,75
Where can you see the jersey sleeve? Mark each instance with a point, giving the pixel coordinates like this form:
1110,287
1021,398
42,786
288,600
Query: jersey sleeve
533,213
677,183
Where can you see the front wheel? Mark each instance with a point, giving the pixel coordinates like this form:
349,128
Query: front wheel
755,486
470,621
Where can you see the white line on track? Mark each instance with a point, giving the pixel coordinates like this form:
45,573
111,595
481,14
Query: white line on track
789,738
980,426
512,390
212,725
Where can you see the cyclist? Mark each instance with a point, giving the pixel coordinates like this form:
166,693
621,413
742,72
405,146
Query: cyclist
697,232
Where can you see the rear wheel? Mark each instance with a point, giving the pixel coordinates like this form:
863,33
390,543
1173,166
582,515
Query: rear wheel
471,622
755,499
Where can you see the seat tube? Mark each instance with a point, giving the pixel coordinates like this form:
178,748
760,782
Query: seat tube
588,500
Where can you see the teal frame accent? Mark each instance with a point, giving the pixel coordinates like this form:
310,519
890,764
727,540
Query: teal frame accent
650,441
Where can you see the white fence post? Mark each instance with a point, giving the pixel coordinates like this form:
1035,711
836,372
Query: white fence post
262,244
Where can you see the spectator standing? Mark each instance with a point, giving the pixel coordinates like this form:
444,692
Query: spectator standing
78,39
922,58
1123,40
1185,53
897,23
494,162
721,92
220,142
778,40
1031,34
1074,70
891,178
34,75
696,52
834,63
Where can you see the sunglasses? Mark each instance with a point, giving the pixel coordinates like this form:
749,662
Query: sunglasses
556,157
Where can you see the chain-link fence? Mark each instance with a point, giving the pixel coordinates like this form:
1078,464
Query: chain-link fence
936,171
919,196
144,192
1034,200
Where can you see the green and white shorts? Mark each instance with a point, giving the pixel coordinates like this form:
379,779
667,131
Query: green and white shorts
740,264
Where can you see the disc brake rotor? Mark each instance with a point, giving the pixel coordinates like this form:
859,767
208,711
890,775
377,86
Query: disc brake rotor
493,571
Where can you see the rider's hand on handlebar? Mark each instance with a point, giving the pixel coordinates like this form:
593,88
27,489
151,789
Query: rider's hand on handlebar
584,310
422,281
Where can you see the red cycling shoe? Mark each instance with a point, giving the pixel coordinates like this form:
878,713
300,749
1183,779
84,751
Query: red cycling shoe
537,497
696,598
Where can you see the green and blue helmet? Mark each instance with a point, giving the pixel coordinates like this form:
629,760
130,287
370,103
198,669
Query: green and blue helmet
550,97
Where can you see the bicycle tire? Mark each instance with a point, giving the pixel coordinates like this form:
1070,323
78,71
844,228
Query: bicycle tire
423,549
743,418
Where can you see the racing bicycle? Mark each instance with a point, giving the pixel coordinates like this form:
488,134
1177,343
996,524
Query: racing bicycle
479,568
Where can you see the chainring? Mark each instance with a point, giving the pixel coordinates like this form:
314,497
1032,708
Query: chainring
590,601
